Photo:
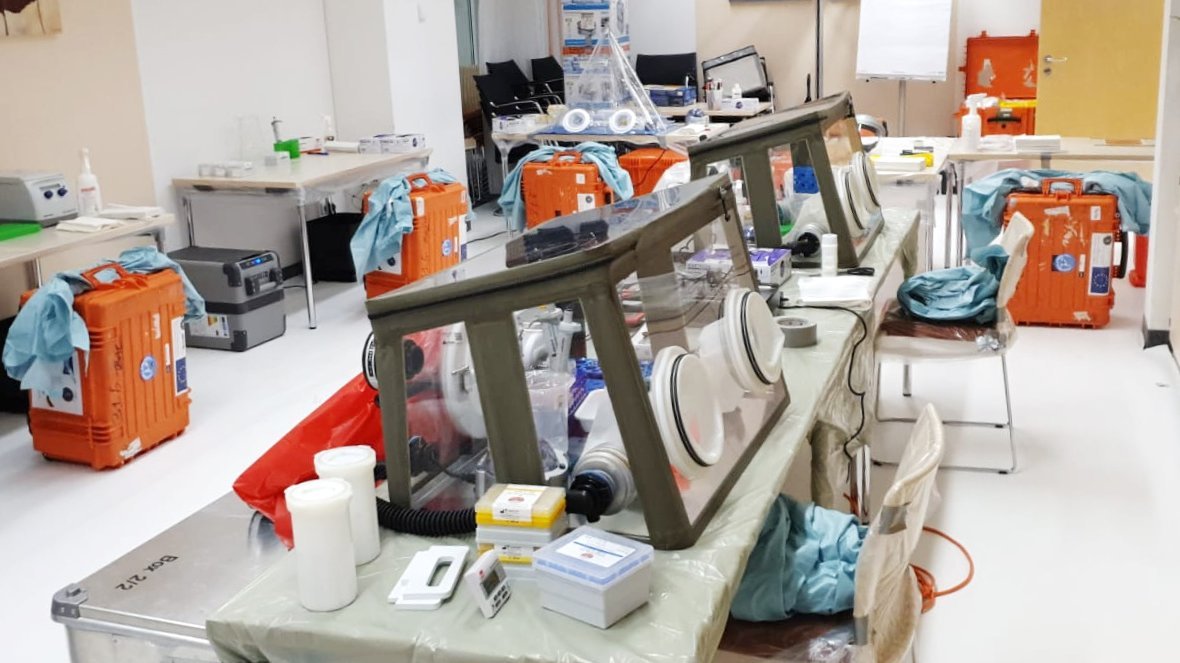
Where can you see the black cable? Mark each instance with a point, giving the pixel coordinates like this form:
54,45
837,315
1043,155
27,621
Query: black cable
851,364
480,239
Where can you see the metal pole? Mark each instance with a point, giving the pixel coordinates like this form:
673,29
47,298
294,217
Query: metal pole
901,92
819,49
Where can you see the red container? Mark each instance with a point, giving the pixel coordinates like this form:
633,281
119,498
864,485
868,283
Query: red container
646,165
435,243
1071,257
1138,275
131,393
563,185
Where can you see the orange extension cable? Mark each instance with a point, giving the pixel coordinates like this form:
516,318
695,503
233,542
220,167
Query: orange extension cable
926,582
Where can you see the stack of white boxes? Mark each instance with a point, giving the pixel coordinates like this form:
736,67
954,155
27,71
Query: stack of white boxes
516,521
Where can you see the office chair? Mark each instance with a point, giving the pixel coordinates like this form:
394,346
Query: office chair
521,86
496,98
676,69
548,73
887,601
910,340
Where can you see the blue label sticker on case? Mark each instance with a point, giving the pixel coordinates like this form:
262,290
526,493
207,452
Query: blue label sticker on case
1100,281
147,368
446,247
1064,263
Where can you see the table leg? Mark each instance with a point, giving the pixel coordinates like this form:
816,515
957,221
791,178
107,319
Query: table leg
187,201
960,186
36,269
951,185
1046,160
307,276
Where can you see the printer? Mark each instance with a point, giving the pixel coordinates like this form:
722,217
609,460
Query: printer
38,197
243,291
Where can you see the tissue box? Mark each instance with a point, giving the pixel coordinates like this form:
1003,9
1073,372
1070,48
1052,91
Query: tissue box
672,95
771,266
743,103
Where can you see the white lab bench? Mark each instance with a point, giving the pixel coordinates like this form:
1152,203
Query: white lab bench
311,178
917,189
31,248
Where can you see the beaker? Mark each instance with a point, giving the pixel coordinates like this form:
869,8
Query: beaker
549,393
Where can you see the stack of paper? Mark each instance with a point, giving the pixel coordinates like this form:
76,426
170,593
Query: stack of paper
88,224
850,291
1037,143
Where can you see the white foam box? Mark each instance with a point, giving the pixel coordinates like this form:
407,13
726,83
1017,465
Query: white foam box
771,266
594,576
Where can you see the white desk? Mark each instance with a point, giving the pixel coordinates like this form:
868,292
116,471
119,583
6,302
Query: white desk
311,177
680,112
31,248
925,182
1072,149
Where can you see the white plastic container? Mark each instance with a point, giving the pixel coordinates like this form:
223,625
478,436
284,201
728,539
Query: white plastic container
355,465
828,258
594,576
324,559
971,130
89,193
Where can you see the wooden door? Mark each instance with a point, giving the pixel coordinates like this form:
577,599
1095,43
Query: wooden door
1100,63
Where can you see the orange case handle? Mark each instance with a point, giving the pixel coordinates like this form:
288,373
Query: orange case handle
568,156
420,177
126,279
1048,182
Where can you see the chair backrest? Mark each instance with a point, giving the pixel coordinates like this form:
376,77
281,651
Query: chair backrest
493,91
509,71
547,69
675,69
887,602
1015,240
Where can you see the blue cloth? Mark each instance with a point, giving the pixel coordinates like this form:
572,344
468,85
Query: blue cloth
959,293
379,236
602,156
803,563
983,201
47,331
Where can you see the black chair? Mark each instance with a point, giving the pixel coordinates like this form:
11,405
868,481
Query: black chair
548,72
677,69
522,87
496,98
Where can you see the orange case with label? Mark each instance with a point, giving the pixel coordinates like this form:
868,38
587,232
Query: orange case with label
132,389
440,210
1012,63
1072,261
647,164
563,185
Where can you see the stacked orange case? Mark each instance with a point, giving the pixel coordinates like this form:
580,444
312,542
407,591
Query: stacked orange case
647,164
1006,68
131,392
435,244
1071,262
563,185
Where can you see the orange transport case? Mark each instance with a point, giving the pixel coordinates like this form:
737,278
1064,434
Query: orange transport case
647,164
131,392
436,243
1071,257
1006,68
563,185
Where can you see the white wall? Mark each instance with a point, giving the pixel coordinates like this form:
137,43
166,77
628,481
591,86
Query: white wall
512,30
360,67
663,27
205,64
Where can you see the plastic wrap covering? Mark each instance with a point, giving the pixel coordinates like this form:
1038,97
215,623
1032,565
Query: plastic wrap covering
910,337
801,639
839,415
691,588
606,97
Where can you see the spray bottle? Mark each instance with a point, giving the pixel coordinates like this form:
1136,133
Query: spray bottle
89,194
972,129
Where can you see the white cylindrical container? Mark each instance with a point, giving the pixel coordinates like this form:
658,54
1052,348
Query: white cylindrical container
355,465
324,561
827,255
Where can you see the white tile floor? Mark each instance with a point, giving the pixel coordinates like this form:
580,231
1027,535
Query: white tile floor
1073,554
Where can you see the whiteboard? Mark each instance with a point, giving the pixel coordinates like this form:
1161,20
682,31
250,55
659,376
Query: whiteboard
904,39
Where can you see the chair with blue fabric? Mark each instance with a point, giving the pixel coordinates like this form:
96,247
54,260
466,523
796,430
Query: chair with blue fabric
903,338
887,599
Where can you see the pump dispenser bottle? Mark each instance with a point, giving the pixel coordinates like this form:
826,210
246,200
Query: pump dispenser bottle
89,194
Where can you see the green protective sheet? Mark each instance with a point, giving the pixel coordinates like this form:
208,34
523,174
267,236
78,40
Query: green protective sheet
13,230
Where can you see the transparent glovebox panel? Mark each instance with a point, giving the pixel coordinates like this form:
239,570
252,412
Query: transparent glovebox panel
806,174
623,352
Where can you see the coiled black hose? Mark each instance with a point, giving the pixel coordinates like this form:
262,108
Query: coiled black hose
425,523
420,522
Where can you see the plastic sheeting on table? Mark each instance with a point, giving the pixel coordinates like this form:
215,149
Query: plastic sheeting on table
691,589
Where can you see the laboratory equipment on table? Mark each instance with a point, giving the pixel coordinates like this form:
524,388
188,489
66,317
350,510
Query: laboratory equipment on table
243,291
517,520
36,196
130,392
355,465
805,173
1072,265
594,576
487,582
430,578
606,97
623,270
565,184
647,164
325,570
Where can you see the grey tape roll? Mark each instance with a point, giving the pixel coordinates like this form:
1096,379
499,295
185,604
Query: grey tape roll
798,332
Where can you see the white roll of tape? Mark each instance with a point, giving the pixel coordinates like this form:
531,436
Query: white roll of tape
576,120
623,121
798,332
